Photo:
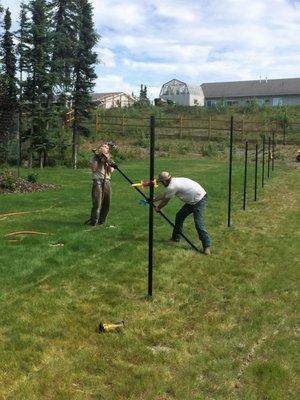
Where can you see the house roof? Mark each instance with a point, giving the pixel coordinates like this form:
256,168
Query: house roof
101,96
194,89
175,85
278,87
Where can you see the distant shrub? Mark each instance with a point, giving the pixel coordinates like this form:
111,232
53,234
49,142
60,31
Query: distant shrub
212,149
8,180
185,149
33,177
142,142
54,161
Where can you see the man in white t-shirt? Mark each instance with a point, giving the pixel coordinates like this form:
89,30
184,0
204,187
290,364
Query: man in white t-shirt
195,199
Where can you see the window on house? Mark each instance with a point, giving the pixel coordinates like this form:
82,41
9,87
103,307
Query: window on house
231,103
277,101
211,103
260,102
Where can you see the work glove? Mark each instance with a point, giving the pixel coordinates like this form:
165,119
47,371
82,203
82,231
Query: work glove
144,202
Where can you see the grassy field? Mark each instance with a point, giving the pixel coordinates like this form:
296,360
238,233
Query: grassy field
219,327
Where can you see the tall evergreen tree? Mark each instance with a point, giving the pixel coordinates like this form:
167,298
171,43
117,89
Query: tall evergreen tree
8,94
9,59
64,22
143,98
84,71
39,81
23,48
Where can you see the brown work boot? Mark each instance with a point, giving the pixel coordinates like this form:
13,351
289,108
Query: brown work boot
206,251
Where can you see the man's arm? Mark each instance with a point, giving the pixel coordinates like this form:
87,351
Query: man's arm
163,202
110,168
94,165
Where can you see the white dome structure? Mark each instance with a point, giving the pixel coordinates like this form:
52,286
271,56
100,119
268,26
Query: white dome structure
182,93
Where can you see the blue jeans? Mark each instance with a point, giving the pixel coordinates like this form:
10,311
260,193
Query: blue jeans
198,213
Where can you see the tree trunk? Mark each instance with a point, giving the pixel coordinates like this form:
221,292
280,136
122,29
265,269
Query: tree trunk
41,159
30,151
74,146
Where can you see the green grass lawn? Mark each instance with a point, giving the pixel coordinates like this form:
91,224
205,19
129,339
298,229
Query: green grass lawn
219,327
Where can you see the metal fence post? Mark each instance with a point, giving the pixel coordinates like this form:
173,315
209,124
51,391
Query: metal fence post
150,246
269,155
273,151
263,163
123,125
245,175
255,173
97,121
230,172
243,127
180,132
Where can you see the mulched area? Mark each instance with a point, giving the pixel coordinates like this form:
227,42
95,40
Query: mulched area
24,186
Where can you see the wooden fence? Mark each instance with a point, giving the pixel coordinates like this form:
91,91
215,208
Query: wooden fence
206,128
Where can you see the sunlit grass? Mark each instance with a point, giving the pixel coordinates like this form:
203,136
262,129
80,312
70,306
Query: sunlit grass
216,328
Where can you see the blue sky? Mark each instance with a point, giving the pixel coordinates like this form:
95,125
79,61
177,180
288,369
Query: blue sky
152,41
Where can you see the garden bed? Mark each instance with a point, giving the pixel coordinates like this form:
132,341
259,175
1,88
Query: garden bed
21,185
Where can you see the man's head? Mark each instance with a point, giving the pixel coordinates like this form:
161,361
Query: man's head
102,149
165,178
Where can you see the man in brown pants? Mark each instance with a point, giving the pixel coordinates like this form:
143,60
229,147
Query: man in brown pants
101,191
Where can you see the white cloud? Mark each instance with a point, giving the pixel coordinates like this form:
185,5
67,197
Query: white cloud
112,83
181,12
152,41
118,14
106,57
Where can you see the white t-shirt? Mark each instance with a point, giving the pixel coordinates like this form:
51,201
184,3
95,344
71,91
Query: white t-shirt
188,191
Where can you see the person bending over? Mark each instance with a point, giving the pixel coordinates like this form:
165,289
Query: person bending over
194,198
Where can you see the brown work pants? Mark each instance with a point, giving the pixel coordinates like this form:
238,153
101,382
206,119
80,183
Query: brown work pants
101,201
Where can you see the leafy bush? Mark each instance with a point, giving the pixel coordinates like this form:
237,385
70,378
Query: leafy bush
142,142
8,180
212,149
185,149
33,177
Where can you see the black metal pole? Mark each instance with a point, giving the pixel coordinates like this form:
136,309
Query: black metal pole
273,150
153,205
269,156
245,175
263,163
150,246
230,171
255,174
284,130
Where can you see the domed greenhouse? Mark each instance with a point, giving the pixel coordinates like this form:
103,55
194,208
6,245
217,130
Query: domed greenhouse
182,93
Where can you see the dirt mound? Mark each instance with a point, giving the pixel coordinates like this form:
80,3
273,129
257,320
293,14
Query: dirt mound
21,185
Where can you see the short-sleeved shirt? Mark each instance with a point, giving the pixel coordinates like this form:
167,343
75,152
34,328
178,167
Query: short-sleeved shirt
100,173
189,191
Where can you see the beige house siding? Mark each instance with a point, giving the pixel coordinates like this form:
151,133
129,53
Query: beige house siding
112,99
